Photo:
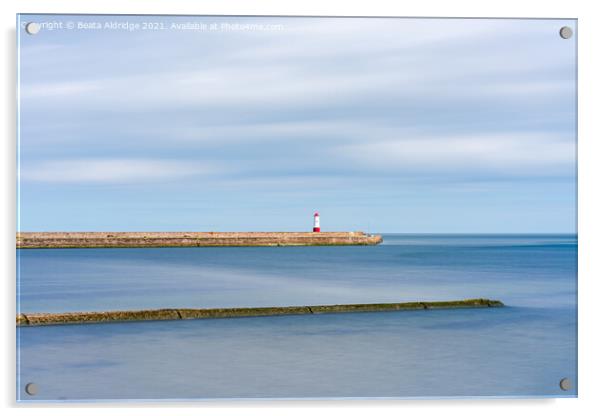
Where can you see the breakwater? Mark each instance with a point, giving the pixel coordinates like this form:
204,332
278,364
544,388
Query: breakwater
37,319
191,239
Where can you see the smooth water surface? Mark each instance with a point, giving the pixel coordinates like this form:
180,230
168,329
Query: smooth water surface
521,350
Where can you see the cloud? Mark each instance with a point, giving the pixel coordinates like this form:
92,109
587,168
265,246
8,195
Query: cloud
115,170
512,153
59,89
319,63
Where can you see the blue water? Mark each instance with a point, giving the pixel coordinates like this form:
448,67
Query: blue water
521,350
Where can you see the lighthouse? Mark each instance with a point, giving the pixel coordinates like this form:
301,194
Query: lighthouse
316,223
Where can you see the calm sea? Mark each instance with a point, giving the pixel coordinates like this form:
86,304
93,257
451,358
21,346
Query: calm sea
521,350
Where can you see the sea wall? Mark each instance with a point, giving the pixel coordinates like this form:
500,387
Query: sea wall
37,319
190,239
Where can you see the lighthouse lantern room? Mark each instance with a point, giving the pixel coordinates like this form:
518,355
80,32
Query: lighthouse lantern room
316,223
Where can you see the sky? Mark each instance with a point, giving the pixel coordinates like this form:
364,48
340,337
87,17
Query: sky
253,124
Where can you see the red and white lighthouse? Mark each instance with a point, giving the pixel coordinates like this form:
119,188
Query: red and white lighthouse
316,223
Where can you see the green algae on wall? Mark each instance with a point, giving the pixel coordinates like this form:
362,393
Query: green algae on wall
37,319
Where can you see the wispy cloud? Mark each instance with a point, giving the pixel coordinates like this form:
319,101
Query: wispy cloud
511,153
96,170
60,90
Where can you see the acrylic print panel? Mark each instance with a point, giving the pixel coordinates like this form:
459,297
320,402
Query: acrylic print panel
295,207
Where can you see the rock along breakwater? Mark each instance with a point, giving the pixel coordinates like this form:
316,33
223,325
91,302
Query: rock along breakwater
191,239
37,319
